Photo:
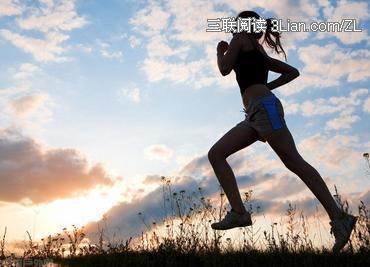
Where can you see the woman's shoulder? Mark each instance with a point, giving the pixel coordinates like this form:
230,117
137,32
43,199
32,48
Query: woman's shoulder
249,43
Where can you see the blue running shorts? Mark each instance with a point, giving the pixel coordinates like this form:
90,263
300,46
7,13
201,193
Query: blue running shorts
265,114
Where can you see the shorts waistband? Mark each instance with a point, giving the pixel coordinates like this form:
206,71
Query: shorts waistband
256,100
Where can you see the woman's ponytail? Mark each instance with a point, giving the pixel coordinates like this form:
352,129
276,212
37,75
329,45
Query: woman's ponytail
275,44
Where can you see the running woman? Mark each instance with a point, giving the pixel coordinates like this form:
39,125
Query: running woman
264,121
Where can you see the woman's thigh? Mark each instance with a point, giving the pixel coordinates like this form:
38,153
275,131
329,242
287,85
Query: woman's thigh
282,142
237,138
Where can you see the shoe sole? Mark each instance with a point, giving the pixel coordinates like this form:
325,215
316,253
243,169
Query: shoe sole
234,226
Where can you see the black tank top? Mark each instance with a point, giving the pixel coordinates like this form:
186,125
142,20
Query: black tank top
250,68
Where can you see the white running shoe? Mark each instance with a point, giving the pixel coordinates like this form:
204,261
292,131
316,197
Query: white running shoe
342,228
233,219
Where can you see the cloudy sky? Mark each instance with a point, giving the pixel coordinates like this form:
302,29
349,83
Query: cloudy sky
99,99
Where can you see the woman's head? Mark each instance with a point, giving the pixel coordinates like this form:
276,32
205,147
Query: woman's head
251,14
272,38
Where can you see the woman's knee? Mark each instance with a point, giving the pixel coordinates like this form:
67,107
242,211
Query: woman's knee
291,165
297,164
215,154
293,161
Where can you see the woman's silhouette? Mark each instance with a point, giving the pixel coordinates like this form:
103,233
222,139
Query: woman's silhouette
264,121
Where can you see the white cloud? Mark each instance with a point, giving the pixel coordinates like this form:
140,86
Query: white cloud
49,49
10,8
290,107
190,21
21,104
324,66
26,71
158,152
175,39
102,44
26,105
329,105
197,73
30,171
346,10
346,105
333,104
150,20
108,54
85,48
105,50
158,47
333,153
30,111
342,122
159,69
53,15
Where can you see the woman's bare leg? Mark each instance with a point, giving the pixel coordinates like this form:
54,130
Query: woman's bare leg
234,140
283,144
